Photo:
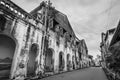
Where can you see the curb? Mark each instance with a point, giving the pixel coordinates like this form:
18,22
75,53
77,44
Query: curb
107,74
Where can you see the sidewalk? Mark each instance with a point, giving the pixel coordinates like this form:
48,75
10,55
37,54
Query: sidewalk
62,72
82,74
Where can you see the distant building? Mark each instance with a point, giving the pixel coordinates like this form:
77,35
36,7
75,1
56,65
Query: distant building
91,61
110,49
98,60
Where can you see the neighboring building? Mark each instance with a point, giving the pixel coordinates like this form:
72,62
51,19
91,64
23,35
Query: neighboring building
106,40
114,59
37,43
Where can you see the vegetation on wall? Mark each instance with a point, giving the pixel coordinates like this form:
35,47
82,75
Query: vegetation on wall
113,61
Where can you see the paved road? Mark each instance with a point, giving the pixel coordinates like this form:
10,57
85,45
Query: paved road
94,73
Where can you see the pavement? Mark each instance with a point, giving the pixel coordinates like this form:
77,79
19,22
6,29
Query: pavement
93,73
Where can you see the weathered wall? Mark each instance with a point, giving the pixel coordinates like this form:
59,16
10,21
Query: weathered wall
26,35
59,48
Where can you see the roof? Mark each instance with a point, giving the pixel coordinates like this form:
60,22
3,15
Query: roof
109,32
116,36
61,18
37,8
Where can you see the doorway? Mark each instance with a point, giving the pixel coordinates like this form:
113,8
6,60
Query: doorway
31,67
49,64
61,61
68,62
7,50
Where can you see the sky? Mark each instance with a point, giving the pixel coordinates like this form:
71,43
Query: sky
88,18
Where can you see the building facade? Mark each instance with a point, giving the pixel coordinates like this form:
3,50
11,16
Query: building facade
104,45
110,52
38,43
83,58
114,59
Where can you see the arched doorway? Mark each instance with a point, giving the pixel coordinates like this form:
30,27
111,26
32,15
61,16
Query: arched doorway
73,61
61,61
7,50
31,67
80,55
68,62
49,62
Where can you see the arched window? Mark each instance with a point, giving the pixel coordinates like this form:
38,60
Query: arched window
31,67
49,62
68,62
61,61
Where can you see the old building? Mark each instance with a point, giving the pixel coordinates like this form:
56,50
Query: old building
20,42
114,59
38,43
59,39
110,52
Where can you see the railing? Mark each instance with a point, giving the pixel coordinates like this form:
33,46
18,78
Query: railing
14,9
10,7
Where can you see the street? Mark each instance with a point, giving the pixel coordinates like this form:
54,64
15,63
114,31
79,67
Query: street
94,73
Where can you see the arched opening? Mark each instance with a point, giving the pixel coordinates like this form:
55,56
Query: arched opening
2,22
73,61
49,62
68,62
31,67
61,61
80,55
89,64
7,49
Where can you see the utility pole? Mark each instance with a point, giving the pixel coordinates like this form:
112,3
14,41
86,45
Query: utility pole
45,38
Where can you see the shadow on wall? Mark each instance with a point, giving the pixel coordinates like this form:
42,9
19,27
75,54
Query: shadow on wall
7,49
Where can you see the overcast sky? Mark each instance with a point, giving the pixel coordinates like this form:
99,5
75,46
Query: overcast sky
88,17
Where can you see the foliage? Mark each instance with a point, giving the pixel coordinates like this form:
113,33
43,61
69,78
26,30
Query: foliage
113,62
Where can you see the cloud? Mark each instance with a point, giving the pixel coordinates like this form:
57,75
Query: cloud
88,2
31,1
112,4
